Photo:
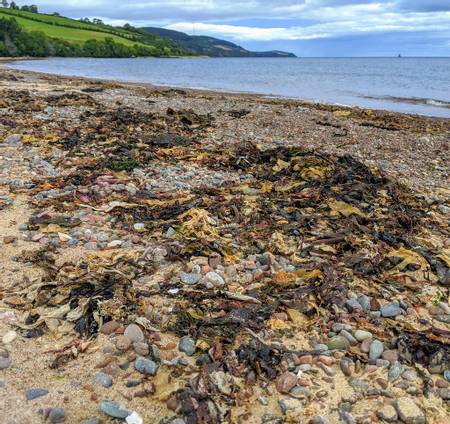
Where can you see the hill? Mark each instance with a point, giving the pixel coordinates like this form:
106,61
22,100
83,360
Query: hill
36,34
210,46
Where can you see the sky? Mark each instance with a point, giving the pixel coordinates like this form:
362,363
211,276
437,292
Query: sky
305,27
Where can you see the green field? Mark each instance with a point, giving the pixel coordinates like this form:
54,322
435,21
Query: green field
71,33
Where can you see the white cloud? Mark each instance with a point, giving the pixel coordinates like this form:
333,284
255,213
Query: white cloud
266,20
338,27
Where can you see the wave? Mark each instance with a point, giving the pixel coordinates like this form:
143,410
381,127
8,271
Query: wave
413,100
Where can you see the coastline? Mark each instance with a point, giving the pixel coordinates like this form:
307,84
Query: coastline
76,210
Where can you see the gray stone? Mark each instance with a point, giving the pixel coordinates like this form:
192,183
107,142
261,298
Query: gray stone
387,413
320,346
318,420
214,280
362,335
189,278
364,301
35,393
92,420
447,375
395,371
353,305
359,385
114,409
349,337
391,310
347,366
327,370
146,366
102,379
444,393
187,345
409,412
57,415
288,404
4,363
346,417
338,327
376,350
338,343
134,333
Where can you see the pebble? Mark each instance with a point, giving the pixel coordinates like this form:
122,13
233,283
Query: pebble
109,327
187,345
338,327
346,417
57,415
141,348
353,305
102,379
134,333
9,337
285,382
189,278
365,345
146,366
447,375
394,371
114,409
409,412
123,343
388,414
318,420
364,301
338,343
390,355
444,394
391,310
320,346
349,337
35,393
376,350
4,363
347,366
214,279
362,335
92,420
295,406
327,370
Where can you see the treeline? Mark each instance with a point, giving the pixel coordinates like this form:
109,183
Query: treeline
31,8
16,42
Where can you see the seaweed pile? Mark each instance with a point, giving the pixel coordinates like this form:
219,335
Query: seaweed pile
262,256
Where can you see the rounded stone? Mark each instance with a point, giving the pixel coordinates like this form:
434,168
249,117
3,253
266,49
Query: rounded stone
338,343
285,382
9,337
141,348
146,366
114,409
123,343
92,420
109,327
57,415
35,393
362,335
376,350
189,278
102,379
388,414
4,363
187,345
134,333
391,310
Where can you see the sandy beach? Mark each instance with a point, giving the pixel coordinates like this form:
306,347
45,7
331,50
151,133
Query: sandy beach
267,260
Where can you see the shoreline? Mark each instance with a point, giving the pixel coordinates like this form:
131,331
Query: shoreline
296,100
210,257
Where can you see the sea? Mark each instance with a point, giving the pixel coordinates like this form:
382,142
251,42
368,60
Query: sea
410,85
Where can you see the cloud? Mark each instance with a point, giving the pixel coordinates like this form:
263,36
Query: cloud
372,24
269,20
